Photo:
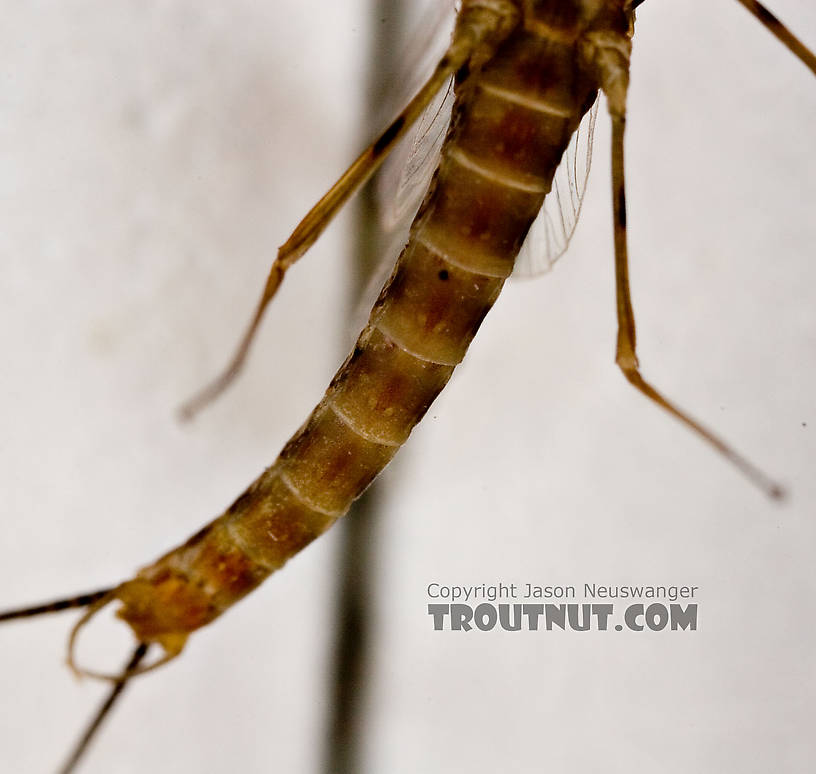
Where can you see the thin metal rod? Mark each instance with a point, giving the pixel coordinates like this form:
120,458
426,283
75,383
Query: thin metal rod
104,709
81,600
351,649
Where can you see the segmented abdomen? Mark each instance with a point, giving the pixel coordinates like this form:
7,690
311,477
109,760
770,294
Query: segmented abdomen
512,122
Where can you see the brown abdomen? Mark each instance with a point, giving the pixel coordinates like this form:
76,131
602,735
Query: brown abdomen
512,122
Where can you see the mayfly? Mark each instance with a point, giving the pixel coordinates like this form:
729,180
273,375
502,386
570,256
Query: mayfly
440,278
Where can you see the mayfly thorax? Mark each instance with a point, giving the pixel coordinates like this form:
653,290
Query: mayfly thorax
333,417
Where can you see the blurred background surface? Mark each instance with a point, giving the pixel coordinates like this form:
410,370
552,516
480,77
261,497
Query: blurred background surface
154,155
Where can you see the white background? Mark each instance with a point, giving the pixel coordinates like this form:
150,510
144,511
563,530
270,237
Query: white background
154,154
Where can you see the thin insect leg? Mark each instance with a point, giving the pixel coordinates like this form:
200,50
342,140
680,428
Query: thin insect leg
81,600
781,33
626,356
471,32
116,691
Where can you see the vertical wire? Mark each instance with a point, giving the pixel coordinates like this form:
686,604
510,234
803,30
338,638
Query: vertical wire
350,668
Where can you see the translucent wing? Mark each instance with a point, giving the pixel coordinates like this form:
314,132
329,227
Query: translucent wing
401,186
403,178
406,174
552,230
412,165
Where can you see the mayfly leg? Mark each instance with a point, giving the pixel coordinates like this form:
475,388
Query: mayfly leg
614,75
310,228
781,33
610,54
472,30
626,356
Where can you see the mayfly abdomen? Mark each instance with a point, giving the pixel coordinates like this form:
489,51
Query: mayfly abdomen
547,477
511,124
